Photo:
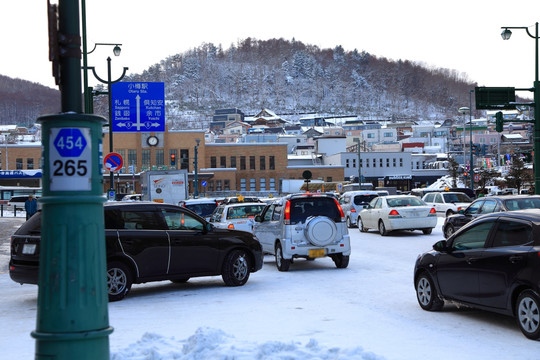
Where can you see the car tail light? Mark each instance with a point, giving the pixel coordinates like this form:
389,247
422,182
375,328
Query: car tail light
353,210
432,212
394,213
230,226
340,210
287,217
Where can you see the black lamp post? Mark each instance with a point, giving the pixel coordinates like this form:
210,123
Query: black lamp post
109,82
195,179
506,34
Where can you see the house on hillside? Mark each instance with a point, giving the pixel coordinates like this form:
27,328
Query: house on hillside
268,118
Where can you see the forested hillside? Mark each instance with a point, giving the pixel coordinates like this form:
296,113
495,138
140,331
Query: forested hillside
288,77
22,102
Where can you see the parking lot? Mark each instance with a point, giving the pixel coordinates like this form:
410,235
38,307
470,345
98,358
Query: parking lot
370,307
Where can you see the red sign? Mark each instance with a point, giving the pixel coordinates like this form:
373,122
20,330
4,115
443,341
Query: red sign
113,162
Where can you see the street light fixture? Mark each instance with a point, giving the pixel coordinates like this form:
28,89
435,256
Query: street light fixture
358,142
109,82
506,34
195,179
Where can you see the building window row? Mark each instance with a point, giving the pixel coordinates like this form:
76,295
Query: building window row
243,162
374,162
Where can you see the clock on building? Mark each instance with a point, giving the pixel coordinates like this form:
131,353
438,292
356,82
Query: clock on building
152,140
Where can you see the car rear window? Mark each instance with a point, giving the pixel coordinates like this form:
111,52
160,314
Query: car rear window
527,203
303,208
201,209
364,199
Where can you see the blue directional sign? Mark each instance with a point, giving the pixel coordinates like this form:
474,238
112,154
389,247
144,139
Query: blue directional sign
70,142
204,183
138,106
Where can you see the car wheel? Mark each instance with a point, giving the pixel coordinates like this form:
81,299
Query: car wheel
236,268
427,231
180,281
349,223
119,280
449,231
426,294
281,263
382,228
341,261
449,213
528,314
361,225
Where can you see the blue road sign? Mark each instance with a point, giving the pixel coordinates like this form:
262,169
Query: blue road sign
204,183
138,106
70,142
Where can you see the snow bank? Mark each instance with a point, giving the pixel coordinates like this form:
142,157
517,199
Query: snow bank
208,343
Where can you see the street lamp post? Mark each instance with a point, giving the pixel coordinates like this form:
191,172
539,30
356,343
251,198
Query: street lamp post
464,110
506,36
109,82
195,179
358,142
470,139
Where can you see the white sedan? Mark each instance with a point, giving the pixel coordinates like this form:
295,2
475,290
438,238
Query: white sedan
239,216
397,212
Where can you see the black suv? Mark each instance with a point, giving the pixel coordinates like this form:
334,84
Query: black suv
147,241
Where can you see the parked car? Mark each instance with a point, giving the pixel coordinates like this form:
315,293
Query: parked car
305,226
132,197
239,199
148,241
491,264
352,202
18,201
486,205
204,207
397,212
239,216
447,203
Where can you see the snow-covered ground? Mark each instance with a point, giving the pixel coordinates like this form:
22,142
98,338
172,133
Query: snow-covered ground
314,311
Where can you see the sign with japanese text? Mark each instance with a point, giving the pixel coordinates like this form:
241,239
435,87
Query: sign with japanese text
138,106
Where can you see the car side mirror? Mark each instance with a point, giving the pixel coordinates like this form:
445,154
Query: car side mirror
461,211
441,246
208,227
258,218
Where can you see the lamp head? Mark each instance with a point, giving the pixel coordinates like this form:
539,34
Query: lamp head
117,50
506,34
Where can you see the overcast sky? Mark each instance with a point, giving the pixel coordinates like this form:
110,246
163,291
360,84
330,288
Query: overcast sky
461,35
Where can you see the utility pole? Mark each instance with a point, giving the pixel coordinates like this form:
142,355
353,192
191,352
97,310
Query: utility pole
72,314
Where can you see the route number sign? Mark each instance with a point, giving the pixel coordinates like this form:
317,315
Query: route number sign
70,159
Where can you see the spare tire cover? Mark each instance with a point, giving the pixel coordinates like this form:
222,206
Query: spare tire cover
320,230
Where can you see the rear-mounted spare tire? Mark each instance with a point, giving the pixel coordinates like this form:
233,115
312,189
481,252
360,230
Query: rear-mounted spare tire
320,230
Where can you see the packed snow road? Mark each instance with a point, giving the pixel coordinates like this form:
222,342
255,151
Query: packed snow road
367,311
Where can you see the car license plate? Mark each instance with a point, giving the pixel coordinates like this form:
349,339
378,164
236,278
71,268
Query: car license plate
316,253
29,249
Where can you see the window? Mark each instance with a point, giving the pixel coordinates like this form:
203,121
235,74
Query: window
272,163
252,184
347,163
387,162
511,233
262,184
252,163
473,238
329,179
394,162
380,162
242,184
226,185
159,157
374,162
213,162
387,134
353,163
400,162
146,158
233,161
132,156
177,220
122,153
272,184
371,136
268,213
218,185
19,163
489,207
262,163
184,159
222,161
242,163
140,220
29,163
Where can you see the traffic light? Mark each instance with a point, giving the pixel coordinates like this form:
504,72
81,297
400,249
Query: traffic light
173,159
499,121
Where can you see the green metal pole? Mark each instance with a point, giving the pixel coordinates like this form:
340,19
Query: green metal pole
536,120
471,141
86,90
72,314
